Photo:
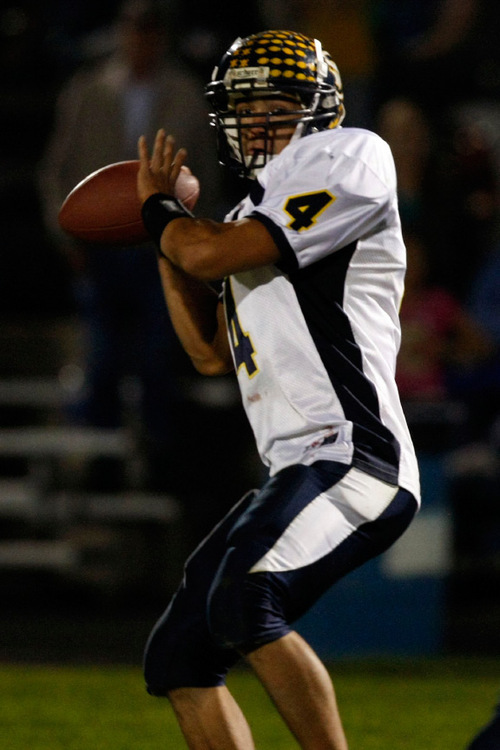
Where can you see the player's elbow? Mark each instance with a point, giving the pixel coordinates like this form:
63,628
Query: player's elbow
199,262
195,265
193,251
212,367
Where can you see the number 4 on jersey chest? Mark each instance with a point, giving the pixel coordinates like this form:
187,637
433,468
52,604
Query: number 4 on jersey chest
240,340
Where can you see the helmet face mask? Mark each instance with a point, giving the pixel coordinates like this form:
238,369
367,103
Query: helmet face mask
272,129
277,65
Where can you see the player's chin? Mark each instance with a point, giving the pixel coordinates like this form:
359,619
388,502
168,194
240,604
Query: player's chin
255,151
255,159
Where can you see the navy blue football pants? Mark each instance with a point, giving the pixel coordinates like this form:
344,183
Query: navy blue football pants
275,553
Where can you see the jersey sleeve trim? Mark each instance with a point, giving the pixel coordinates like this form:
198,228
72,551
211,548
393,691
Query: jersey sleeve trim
256,193
288,262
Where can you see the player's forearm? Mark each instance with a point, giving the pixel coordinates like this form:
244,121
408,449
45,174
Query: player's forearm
196,316
210,250
196,246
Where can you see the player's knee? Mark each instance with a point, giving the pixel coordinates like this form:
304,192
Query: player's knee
172,661
173,654
246,612
159,658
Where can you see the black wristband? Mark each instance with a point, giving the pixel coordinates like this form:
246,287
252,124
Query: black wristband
159,210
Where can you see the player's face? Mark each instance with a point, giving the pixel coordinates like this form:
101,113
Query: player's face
261,115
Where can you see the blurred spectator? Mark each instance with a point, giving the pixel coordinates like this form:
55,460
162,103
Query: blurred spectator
78,30
422,172
438,335
403,124
447,188
203,32
484,386
474,481
32,276
439,339
100,114
429,50
346,30
485,295
474,188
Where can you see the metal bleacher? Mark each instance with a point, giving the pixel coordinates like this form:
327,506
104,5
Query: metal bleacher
48,520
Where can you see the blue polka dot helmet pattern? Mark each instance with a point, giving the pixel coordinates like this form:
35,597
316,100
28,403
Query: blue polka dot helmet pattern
276,64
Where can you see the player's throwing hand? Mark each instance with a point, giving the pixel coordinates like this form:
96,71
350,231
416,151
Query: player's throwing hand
159,173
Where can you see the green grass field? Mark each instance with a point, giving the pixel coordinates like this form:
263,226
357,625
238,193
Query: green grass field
426,705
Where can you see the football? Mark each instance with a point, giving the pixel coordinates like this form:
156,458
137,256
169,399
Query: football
104,207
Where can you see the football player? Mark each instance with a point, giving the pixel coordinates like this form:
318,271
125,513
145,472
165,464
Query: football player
313,264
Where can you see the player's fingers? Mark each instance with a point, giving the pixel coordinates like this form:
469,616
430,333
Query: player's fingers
177,163
143,151
167,155
159,147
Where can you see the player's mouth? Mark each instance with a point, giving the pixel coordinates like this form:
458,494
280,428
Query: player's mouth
260,146
257,150
256,157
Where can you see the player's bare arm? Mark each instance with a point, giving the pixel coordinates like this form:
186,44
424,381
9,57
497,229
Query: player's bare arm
194,251
195,310
205,249
198,319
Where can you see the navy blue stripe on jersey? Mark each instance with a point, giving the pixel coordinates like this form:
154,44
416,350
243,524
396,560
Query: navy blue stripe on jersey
320,292
256,193
288,260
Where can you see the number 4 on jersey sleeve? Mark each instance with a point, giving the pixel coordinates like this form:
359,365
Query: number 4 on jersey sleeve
304,209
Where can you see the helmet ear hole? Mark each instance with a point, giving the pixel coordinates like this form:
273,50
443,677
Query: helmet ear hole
217,96
278,64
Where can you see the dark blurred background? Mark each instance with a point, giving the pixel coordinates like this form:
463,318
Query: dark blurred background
96,517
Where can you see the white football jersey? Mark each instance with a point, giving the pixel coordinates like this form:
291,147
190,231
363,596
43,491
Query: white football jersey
315,337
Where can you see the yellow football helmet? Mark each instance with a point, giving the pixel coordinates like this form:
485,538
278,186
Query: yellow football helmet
275,64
